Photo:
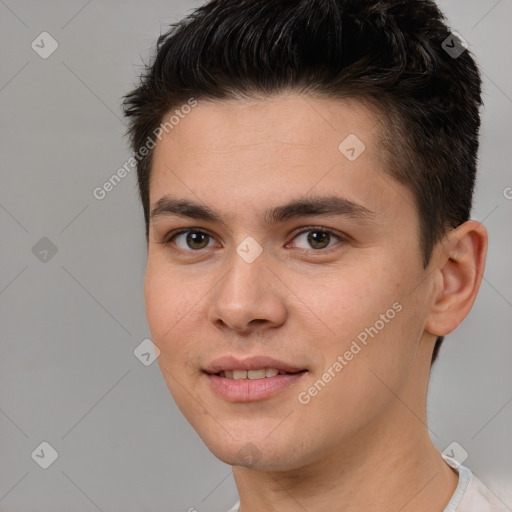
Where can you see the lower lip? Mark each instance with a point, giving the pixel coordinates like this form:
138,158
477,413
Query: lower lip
247,390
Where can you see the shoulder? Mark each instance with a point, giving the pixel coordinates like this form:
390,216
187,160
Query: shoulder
472,495
236,508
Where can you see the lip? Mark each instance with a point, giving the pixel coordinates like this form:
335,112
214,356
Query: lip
248,390
230,362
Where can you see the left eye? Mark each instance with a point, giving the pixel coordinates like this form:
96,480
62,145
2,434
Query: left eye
316,238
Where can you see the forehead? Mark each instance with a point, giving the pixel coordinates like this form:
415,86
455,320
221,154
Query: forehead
267,150
290,121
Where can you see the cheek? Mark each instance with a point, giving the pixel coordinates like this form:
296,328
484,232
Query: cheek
169,310
169,304
362,311
160,309
349,298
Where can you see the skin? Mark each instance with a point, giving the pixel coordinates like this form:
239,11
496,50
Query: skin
362,442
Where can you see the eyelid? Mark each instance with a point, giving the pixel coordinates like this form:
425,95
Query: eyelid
169,236
341,237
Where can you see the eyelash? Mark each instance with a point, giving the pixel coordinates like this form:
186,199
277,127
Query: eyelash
169,238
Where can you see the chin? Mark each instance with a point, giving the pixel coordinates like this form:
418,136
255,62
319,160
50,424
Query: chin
260,454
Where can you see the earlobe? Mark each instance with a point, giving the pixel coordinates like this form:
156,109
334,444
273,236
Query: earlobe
461,259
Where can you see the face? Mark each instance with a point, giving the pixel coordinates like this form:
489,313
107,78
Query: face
273,248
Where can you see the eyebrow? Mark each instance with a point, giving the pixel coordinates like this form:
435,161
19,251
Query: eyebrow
319,205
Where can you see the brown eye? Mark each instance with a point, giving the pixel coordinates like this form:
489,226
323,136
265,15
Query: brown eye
191,239
318,239
196,240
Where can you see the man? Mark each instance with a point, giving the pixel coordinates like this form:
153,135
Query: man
306,170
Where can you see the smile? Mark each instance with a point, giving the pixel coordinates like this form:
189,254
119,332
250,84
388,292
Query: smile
252,374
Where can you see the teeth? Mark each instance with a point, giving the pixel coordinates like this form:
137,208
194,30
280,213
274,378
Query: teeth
250,374
256,374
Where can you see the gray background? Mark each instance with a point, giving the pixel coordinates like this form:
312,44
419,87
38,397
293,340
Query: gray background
69,325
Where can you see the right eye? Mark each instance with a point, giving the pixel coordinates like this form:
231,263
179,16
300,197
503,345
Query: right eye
189,240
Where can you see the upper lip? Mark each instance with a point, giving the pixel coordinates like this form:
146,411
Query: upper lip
250,363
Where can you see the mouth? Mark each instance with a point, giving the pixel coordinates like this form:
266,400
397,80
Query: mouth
262,373
251,379
253,367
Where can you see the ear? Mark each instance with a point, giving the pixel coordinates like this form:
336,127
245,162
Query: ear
460,262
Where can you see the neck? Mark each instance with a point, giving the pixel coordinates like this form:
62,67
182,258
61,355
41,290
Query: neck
404,473
390,465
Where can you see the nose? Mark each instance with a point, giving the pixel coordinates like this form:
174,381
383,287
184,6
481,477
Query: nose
249,297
